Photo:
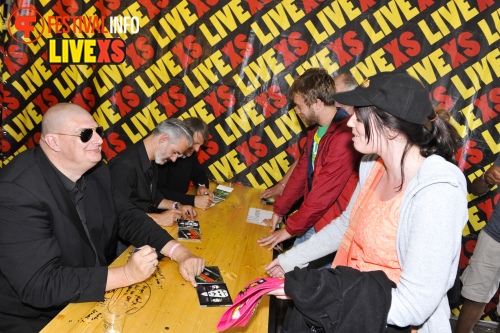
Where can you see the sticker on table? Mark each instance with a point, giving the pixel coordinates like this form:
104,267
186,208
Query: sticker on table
257,216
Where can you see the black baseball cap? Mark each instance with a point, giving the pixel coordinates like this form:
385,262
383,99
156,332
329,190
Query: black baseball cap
396,93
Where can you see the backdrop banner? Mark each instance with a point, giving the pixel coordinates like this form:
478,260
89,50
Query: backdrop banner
133,64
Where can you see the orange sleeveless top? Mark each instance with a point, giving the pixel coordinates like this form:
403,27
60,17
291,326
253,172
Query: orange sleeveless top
369,243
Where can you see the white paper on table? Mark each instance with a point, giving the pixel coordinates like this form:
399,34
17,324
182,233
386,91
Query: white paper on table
257,216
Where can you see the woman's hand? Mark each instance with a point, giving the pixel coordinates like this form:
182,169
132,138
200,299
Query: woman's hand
275,238
274,269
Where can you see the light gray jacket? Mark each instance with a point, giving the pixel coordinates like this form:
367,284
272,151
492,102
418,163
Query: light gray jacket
428,240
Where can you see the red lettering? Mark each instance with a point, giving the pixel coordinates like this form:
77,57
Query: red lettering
366,4
5,144
337,47
150,7
147,50
89,101
45,95
241,43
424,4
228,98
195,50
468,154
147,53
118,48
255,5
472,47
10,102
125,100
245,50
310,5
279,99
244,150
446,101
173,93
114,4
260,148
211,149
201,7
271,100
103,46
282,48
484,4
301,46
164,101
399,57
494,96
487,207
213,101
412,45
71,6
58,8
112,140
16,59
487,113
413,48
234,57
99,4
267,108
177,96
456,57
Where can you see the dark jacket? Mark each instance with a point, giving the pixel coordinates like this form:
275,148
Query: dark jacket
46,259
327,193
342,300
175,178
136,177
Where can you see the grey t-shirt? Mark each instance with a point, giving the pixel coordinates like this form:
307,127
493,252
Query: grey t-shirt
492,228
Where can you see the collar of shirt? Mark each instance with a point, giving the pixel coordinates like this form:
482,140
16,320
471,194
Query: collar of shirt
74,189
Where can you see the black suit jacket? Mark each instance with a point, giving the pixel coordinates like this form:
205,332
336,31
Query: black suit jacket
46,259
130,173
174,178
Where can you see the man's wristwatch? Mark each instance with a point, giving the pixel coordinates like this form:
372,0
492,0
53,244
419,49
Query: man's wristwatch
175,205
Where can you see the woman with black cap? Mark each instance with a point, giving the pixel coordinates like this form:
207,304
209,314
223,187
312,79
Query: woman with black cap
408,211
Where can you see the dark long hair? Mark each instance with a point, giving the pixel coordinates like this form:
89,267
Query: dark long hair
436,136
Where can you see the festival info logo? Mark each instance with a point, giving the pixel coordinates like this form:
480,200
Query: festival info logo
22,23
65,42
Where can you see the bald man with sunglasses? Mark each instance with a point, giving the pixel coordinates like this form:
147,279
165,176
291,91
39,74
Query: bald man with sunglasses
59,224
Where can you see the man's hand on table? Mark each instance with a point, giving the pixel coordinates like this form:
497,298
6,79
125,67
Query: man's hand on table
275,238
187,212
141,265
202,201
166,218
189,264
202,190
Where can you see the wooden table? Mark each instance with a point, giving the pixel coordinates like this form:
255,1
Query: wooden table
166,303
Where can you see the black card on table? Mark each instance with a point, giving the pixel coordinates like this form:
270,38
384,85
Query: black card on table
213,294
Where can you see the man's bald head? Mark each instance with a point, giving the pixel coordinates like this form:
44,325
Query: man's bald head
61,141
57,116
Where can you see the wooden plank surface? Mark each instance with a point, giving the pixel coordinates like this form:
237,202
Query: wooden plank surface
166,303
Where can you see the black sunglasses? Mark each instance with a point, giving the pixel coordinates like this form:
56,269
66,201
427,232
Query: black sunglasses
86,133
